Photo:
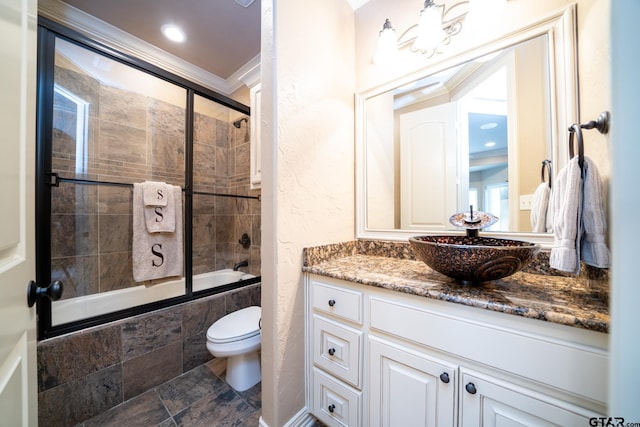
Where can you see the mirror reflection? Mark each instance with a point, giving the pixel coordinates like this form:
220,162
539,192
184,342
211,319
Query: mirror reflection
474,134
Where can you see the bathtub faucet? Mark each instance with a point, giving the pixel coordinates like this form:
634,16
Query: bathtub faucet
244,263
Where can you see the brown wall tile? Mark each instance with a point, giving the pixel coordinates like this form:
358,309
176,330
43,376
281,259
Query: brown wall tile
150,332
70,357
116,271
73,235
151,369
76,401
79,275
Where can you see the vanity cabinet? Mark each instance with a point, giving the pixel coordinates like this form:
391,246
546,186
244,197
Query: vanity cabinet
378,357
336,316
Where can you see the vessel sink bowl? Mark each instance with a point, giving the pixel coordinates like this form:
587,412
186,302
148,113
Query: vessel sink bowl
473,259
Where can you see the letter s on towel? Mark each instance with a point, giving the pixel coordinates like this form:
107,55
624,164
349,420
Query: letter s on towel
155,249
159,214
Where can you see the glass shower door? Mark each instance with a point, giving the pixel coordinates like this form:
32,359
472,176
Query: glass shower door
113,125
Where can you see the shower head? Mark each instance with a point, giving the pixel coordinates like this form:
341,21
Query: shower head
238,122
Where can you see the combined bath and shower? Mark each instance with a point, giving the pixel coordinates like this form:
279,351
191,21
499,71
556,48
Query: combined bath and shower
238,122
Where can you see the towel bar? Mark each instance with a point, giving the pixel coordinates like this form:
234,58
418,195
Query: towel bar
601,124
546,165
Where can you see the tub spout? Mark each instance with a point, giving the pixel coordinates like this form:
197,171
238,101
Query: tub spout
244,263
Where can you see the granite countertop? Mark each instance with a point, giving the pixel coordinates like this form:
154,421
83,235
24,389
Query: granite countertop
575,301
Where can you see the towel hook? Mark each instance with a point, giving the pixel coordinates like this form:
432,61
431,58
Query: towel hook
576,129
546,164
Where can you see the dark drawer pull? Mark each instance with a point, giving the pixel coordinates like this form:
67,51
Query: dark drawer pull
332,351
331,408
444,377
332,302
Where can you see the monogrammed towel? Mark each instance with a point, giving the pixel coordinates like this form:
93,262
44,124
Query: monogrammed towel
156,193
156,255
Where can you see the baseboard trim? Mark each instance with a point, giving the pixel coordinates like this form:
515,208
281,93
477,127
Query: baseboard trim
302,419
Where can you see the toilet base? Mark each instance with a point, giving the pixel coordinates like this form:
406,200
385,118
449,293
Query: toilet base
243,371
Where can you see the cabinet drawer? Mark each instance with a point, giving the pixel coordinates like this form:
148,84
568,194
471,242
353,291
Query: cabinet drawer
334,403
527,355
339,302
337,349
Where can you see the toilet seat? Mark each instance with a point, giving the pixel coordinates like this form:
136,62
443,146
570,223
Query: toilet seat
236,326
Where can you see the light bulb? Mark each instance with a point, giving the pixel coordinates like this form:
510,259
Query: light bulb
387,47
430,33
173,33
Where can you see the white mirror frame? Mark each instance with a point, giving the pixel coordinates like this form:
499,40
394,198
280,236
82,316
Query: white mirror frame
561,30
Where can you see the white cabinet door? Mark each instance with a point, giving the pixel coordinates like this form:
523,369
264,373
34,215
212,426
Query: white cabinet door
488,402
408,388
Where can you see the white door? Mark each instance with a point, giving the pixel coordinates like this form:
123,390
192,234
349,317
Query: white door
428,157
18,395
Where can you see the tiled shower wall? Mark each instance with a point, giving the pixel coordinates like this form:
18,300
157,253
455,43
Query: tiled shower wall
132,138
83,374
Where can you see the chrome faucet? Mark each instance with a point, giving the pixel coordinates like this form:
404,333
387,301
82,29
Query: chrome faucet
237,265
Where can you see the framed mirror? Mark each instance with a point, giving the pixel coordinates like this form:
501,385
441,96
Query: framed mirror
473,130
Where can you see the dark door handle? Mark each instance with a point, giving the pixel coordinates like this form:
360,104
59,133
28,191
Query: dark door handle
35,292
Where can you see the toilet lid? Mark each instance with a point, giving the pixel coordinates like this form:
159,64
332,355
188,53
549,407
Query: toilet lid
236,326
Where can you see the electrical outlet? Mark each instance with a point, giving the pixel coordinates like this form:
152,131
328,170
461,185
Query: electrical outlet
525,202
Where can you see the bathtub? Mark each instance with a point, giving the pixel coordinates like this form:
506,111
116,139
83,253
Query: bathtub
69,310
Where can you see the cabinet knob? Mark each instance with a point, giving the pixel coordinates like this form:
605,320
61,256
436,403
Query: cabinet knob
444,377
331,408
332,351
471,388
332,302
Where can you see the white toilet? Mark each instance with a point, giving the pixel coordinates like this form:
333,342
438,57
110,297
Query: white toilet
237,337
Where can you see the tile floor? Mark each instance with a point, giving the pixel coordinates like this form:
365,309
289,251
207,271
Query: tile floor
199,397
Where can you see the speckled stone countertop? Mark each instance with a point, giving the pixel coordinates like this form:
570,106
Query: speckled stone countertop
581,302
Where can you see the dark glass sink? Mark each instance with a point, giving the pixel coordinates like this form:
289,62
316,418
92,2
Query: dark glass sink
473,259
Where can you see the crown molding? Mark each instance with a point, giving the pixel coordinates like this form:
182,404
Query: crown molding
128,44
249,74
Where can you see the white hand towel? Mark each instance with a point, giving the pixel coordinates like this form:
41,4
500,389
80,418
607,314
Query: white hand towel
161,219
539,206
550,211
567,205
594,250
156,255
156,193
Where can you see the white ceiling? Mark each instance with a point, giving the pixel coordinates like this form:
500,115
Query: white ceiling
222,36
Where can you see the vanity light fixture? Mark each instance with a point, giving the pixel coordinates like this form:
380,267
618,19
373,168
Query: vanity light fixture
435,27
173,33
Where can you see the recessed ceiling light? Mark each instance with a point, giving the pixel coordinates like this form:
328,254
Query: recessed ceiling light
489,125
173,33
489,144
244,3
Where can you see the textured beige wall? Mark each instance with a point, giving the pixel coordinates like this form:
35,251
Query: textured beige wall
308,60
307,173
